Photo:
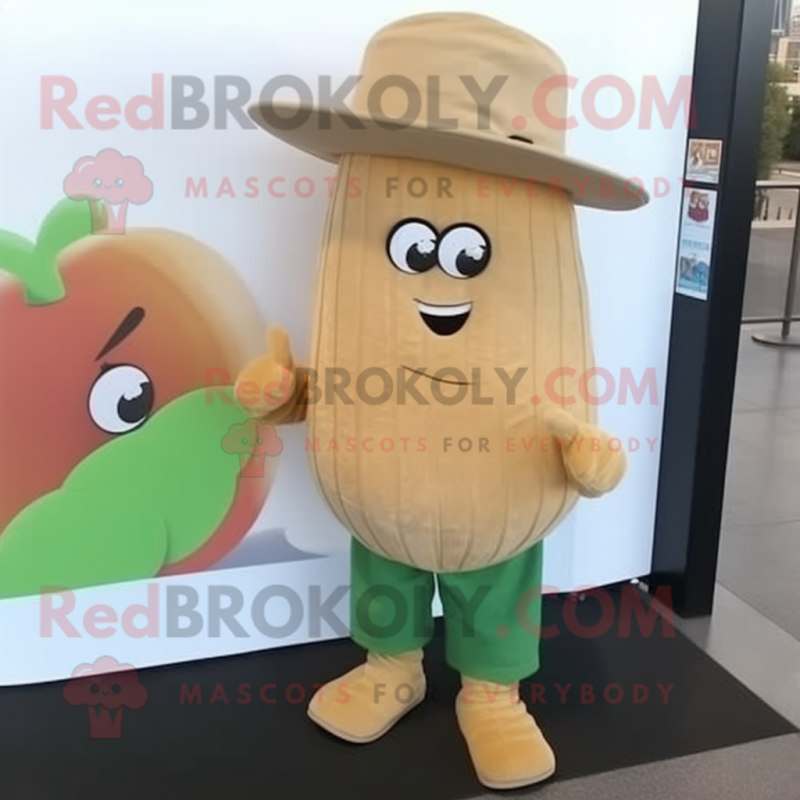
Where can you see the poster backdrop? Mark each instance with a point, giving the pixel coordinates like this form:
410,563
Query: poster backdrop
88,76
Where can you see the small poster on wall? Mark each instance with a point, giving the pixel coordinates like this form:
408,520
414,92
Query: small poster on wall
704,160
696,242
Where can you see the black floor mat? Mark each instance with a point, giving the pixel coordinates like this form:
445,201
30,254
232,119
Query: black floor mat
217,744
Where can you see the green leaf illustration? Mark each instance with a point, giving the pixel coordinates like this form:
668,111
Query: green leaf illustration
35,263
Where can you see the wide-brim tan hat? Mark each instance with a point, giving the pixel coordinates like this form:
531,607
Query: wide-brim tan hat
416,98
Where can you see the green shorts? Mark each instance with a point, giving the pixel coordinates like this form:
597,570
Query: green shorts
491,615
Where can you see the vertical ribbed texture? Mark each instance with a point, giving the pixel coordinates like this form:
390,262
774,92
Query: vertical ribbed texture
447,510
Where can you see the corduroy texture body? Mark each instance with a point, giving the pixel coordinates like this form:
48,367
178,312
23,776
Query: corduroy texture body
414,498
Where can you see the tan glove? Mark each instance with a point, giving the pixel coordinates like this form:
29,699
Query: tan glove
268,387
591,464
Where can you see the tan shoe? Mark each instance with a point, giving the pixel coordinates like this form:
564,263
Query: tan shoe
506,746
365,703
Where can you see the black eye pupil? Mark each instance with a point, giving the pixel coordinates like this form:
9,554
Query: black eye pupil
467,264
95,688
137,408
116,688
462,250
419,261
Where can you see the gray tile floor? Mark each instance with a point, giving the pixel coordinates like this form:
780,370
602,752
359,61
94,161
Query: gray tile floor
760,548
767,265
754,631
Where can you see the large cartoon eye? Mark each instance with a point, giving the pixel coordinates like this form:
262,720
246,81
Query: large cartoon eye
121,399
116,688
119,183
412,246
464,251
98,182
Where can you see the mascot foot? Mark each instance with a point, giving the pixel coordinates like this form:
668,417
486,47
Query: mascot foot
365,703
507,748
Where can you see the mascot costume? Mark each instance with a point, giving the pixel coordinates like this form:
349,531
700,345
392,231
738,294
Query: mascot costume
451,309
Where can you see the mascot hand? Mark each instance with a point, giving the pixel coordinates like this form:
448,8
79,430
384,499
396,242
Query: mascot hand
592,465
266,386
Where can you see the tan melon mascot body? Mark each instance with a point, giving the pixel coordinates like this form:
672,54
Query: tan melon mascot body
446,428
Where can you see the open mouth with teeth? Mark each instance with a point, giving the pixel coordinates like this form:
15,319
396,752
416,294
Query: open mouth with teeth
444,320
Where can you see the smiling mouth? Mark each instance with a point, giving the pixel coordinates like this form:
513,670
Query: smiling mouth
444,320
434,378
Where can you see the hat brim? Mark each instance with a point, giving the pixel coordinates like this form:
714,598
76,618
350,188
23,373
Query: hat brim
331,133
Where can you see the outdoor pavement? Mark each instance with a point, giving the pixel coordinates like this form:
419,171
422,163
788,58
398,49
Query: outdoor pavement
768,273
771,248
